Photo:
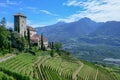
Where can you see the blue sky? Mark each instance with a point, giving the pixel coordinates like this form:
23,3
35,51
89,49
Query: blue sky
46,12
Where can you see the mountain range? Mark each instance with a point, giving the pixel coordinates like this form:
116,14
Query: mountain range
86,38
68,30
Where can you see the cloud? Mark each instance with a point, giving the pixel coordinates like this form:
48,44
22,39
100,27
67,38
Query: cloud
72,3
3,5
98,10
38,11
32,8
7,3
47,12
11,3
37,25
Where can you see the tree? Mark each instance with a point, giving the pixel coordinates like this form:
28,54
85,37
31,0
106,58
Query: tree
4,38
58,46
52,53
52,45
10,30
18,41
52,49
42,45
21,43
3,22
28,34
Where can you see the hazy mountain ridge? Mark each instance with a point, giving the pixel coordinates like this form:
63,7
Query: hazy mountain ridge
74,29
109,28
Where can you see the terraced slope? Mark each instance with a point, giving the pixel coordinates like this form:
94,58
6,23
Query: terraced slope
43,67
4,76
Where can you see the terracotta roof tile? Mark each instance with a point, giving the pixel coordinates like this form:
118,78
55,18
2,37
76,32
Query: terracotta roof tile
30,28
35,37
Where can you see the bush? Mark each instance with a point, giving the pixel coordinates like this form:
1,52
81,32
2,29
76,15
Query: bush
52,53
32,52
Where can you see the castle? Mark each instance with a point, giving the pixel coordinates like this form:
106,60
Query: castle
21,27
20,24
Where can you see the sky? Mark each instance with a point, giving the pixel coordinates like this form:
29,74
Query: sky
46,12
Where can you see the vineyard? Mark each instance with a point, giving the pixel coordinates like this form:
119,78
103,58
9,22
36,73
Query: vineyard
26,66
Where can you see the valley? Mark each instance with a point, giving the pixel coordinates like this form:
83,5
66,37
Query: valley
86,39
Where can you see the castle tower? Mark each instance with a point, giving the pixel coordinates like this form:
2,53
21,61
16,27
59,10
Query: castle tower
20,24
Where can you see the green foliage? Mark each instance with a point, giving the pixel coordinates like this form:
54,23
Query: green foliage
4,76
43,67
3,22
28,37
52,45
4,38
64,53
44,48
58,46
52,53
42,45
15,75
9,39
18,41
19,67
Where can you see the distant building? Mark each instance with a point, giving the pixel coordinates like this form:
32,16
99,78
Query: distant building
21,27
35,38
20,24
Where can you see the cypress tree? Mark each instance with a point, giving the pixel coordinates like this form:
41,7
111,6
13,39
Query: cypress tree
52,49
28,34
52,45
42,45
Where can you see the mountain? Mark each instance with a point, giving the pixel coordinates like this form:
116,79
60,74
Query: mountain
86,39
110,28
63,31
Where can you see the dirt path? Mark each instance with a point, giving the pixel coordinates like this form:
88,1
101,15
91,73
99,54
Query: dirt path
96,74
77,71
6,57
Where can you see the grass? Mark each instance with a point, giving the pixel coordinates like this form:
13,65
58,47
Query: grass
117,75
87,73
44,67
4,76
21,64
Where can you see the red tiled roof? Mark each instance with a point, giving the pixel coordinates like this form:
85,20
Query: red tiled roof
30,28
35,37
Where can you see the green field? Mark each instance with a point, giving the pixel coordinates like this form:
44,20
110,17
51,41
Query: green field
26,66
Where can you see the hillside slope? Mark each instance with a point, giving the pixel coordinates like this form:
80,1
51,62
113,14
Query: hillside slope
43,67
